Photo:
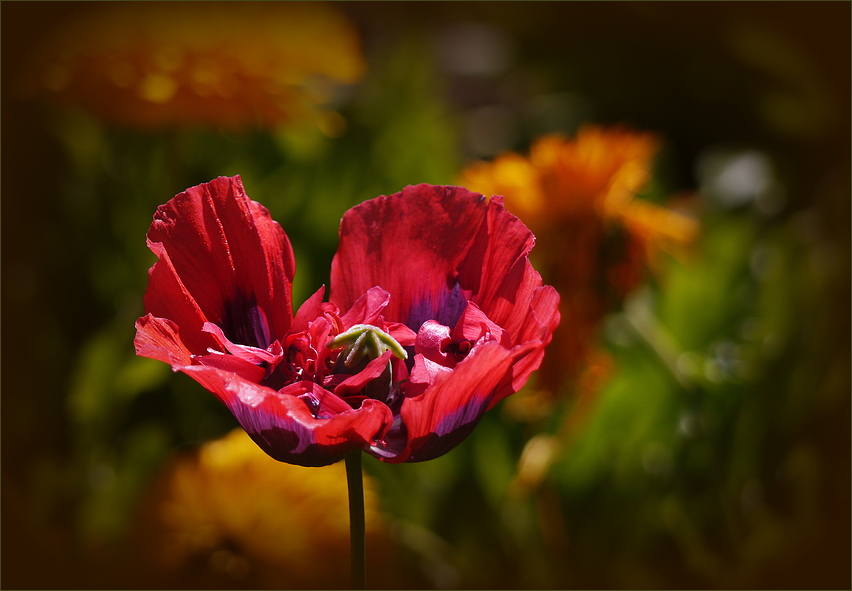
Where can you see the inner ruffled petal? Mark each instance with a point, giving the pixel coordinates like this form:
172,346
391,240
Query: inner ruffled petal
271,355
356,383
233,364
474,325
433,342
447,347
367,308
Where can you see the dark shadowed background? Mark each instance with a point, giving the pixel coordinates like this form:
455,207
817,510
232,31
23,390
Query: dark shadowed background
710,448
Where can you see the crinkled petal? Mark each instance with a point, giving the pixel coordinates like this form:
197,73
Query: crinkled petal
537,329
498,272
309,311
367,308
401,333
434,248
449,258
433,341
410,244
233,364
474,324
543,316
167,296
359,381
224,260
271,355
284,426
159,339
442,416
427,372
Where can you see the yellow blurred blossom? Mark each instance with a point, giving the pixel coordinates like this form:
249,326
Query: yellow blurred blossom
594,237
226,64
228,513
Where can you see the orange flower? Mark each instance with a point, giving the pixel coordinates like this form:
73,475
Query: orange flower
229,512
227,64
594,236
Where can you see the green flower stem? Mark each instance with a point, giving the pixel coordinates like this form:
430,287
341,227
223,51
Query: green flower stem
357,529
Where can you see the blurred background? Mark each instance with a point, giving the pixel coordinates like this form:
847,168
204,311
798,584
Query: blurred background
685,167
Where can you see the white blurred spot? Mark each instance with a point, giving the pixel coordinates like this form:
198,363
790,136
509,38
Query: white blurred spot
737,178
725,363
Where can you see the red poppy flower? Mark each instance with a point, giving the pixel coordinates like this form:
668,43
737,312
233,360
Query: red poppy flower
444,316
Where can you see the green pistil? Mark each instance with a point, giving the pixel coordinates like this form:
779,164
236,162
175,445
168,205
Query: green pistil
365,340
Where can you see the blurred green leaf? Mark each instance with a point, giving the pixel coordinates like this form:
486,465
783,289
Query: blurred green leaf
493,460
116,478
701,299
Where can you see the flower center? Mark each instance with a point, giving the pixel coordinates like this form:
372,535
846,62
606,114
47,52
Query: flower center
361,346
364,341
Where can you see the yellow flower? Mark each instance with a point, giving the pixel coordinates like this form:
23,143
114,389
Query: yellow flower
227,64
229,512
594,236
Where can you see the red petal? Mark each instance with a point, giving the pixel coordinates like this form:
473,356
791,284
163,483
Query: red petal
271,355
498,271
475,324
220,254
446,412
233,364
309,311
366,309
322,403
427,372
356,382
433,340
409,244
284,426
159,339
434,248
401,333
168,297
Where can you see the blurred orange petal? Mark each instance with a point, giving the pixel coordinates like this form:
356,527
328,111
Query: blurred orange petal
595,237
227,64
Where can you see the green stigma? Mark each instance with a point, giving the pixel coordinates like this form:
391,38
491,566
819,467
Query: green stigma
365,340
